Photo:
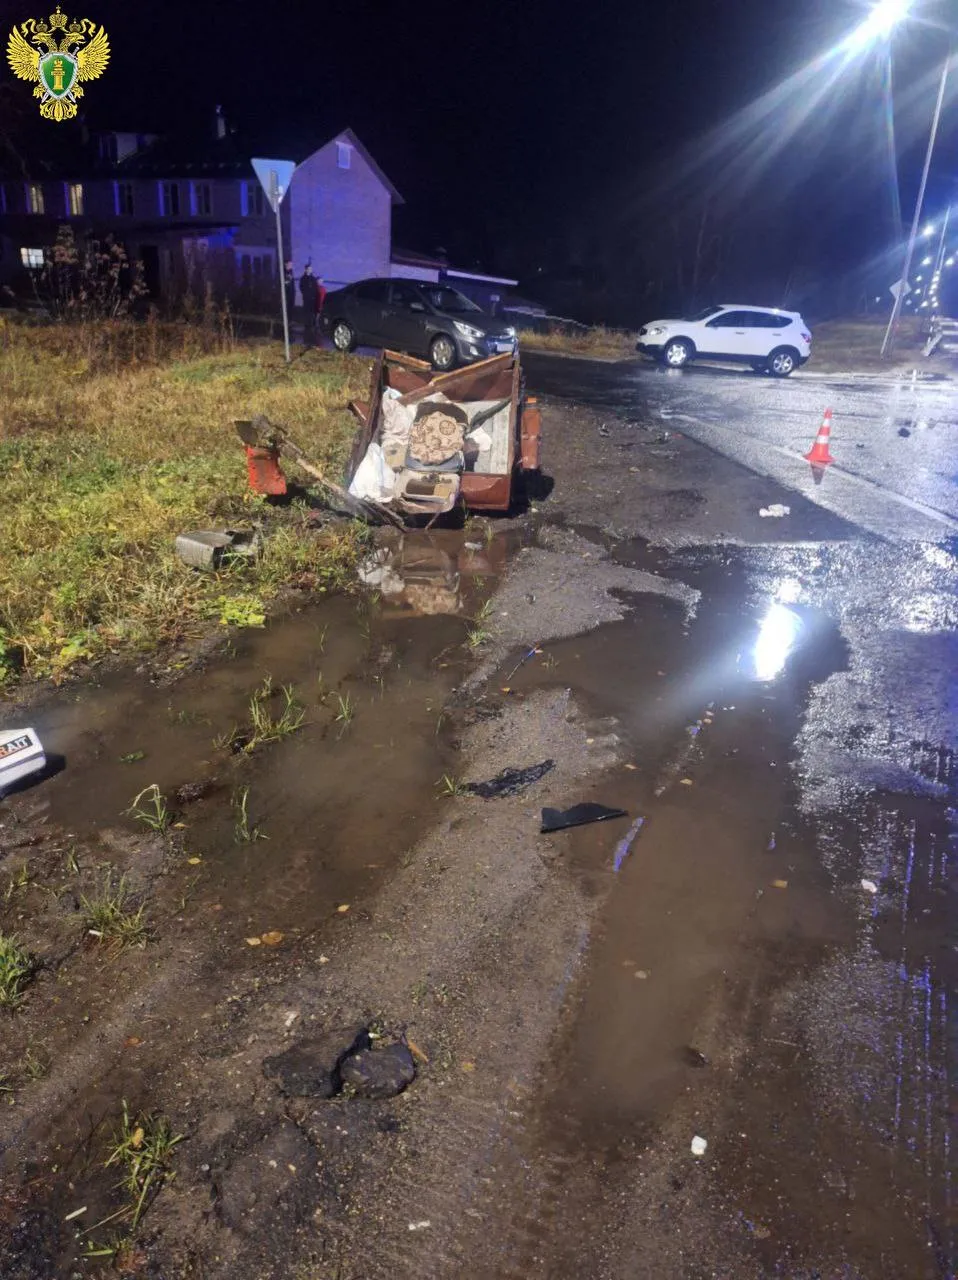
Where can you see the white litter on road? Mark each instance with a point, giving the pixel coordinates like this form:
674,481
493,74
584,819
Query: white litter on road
869,886
775,511
699,1146
21,756
420,1226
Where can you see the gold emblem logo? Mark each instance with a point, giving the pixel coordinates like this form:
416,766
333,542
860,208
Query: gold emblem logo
58,62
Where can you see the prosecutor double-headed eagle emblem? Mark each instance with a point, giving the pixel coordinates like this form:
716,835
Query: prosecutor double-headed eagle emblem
58,55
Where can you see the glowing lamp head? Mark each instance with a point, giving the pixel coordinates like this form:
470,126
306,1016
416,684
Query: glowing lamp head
880,23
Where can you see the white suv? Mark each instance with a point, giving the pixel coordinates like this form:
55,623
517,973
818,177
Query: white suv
771,341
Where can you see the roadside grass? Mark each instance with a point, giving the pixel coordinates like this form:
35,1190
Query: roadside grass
142,1150
597,341
244,831
111,918
840,346
151,810
114,438
264,725
16,969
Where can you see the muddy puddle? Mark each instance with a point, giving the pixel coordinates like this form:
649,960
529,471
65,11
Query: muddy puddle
739,976
277,839
295,823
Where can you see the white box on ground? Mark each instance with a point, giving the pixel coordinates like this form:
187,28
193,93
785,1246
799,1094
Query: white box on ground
21,755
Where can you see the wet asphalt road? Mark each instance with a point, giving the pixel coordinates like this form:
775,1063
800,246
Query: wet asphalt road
896,462
825,794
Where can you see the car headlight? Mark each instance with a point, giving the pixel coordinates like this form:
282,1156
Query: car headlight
469,330
510,332
658,328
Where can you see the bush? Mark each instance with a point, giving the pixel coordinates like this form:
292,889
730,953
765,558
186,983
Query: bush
94,280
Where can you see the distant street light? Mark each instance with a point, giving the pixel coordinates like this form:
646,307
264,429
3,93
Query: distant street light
888,342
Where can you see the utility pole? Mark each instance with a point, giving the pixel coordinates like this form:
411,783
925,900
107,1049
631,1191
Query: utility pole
888,343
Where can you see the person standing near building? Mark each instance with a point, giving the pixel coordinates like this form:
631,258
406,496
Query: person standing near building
310,292
289,284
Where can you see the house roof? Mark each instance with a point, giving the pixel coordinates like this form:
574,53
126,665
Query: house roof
195,155
410,258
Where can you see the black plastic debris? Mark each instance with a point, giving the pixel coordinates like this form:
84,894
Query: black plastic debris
578,816
511,781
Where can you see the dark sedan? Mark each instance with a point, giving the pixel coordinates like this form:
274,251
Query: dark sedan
430,320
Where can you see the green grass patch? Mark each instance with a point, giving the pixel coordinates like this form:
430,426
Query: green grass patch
142,1150
116,437
16,970
111,917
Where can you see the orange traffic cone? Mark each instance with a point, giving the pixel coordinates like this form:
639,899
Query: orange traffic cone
819,455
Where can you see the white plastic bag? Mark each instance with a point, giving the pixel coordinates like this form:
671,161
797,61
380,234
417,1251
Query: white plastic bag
374,478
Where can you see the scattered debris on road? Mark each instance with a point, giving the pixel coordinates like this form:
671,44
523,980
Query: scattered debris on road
869,886
428,441
510,781
775,512
699,1146
266,441
21,756
578,816
209,548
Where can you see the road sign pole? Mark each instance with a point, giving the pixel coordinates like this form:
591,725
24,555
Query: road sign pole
275,197
275,177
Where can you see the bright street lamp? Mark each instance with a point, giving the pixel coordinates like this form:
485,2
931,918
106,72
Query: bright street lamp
880,23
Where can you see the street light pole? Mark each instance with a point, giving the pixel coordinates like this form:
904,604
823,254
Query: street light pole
888,343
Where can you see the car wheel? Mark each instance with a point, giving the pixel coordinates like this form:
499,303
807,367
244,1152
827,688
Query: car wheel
343,335
442,352
677,353
782,362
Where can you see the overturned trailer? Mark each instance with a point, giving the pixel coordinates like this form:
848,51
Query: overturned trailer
428,442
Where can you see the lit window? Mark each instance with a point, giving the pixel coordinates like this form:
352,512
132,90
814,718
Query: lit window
123,198
32,258
343,155
34,198
170,199
75,199
201,196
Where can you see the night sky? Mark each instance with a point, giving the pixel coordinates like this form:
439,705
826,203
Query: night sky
526,137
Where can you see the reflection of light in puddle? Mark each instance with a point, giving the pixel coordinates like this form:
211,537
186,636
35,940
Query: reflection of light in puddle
777,637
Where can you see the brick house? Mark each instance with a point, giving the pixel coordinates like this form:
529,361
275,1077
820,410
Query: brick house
193,210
